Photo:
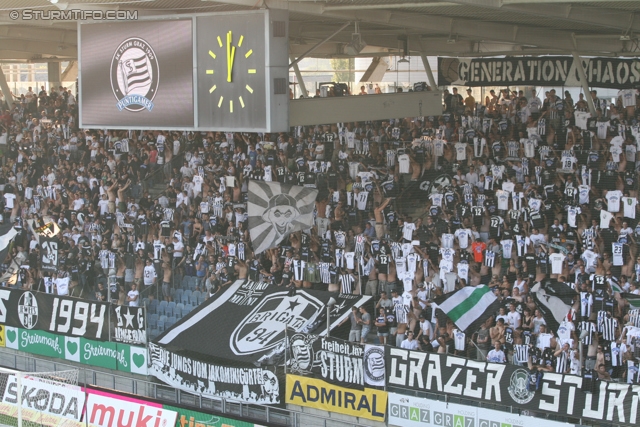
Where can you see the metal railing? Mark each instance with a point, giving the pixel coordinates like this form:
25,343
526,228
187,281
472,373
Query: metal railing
170,395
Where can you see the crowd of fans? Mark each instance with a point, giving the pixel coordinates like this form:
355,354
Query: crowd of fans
507,193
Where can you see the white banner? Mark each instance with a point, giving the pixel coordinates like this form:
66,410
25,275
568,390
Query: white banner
409,411
374,365
61,400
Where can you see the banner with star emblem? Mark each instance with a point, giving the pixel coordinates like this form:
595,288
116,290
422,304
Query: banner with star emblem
246,322
129,324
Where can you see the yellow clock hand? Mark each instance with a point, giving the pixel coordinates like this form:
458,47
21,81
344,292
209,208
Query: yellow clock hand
231,53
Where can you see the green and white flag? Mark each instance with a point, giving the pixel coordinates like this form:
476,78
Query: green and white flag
632,299
469,307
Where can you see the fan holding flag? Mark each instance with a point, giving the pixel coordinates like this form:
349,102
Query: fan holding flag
469,307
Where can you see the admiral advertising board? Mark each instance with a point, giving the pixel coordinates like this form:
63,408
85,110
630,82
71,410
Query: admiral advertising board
368,403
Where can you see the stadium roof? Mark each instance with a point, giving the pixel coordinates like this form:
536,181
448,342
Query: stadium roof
455,27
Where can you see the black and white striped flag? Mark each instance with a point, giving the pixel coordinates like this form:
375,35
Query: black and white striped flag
277,210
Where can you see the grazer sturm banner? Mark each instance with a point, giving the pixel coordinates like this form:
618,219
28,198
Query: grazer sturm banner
507,385
410,411
253,385
130,325
331,359
258,314
615,73
313,393
53,313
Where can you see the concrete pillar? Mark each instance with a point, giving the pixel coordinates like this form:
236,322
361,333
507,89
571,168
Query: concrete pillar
53,74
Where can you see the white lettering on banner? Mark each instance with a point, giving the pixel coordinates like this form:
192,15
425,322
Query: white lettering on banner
104,411
554,393
469,391
448,387
68,312
341,368
62,400
31,339
96,351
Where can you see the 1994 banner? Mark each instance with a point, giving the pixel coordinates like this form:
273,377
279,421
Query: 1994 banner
544,70
72,316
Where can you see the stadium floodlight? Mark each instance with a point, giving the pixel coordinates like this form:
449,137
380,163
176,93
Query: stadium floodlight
355,46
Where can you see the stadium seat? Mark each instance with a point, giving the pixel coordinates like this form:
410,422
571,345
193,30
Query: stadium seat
161,325
184,283
185,297
162,310
170,322
153,333
179,306
178,296
153,306
192,282
201,299
169,310
193,300
186,311
153,321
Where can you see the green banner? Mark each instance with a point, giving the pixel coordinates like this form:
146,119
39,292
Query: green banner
189,418
98,353
120,356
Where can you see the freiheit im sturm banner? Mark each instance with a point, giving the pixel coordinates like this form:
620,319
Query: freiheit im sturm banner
612,73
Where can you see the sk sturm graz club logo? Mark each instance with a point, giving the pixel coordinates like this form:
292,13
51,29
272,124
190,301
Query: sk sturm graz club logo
374,366
518,389
28,310
134,75
263,328
301,353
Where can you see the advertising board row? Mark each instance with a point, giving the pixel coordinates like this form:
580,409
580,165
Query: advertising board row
410,411
61,405
104,354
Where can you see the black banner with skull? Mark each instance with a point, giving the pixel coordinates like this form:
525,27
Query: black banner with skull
277,210
331,359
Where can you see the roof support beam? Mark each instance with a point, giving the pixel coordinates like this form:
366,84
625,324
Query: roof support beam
317,45
615,19
526,35
584,82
